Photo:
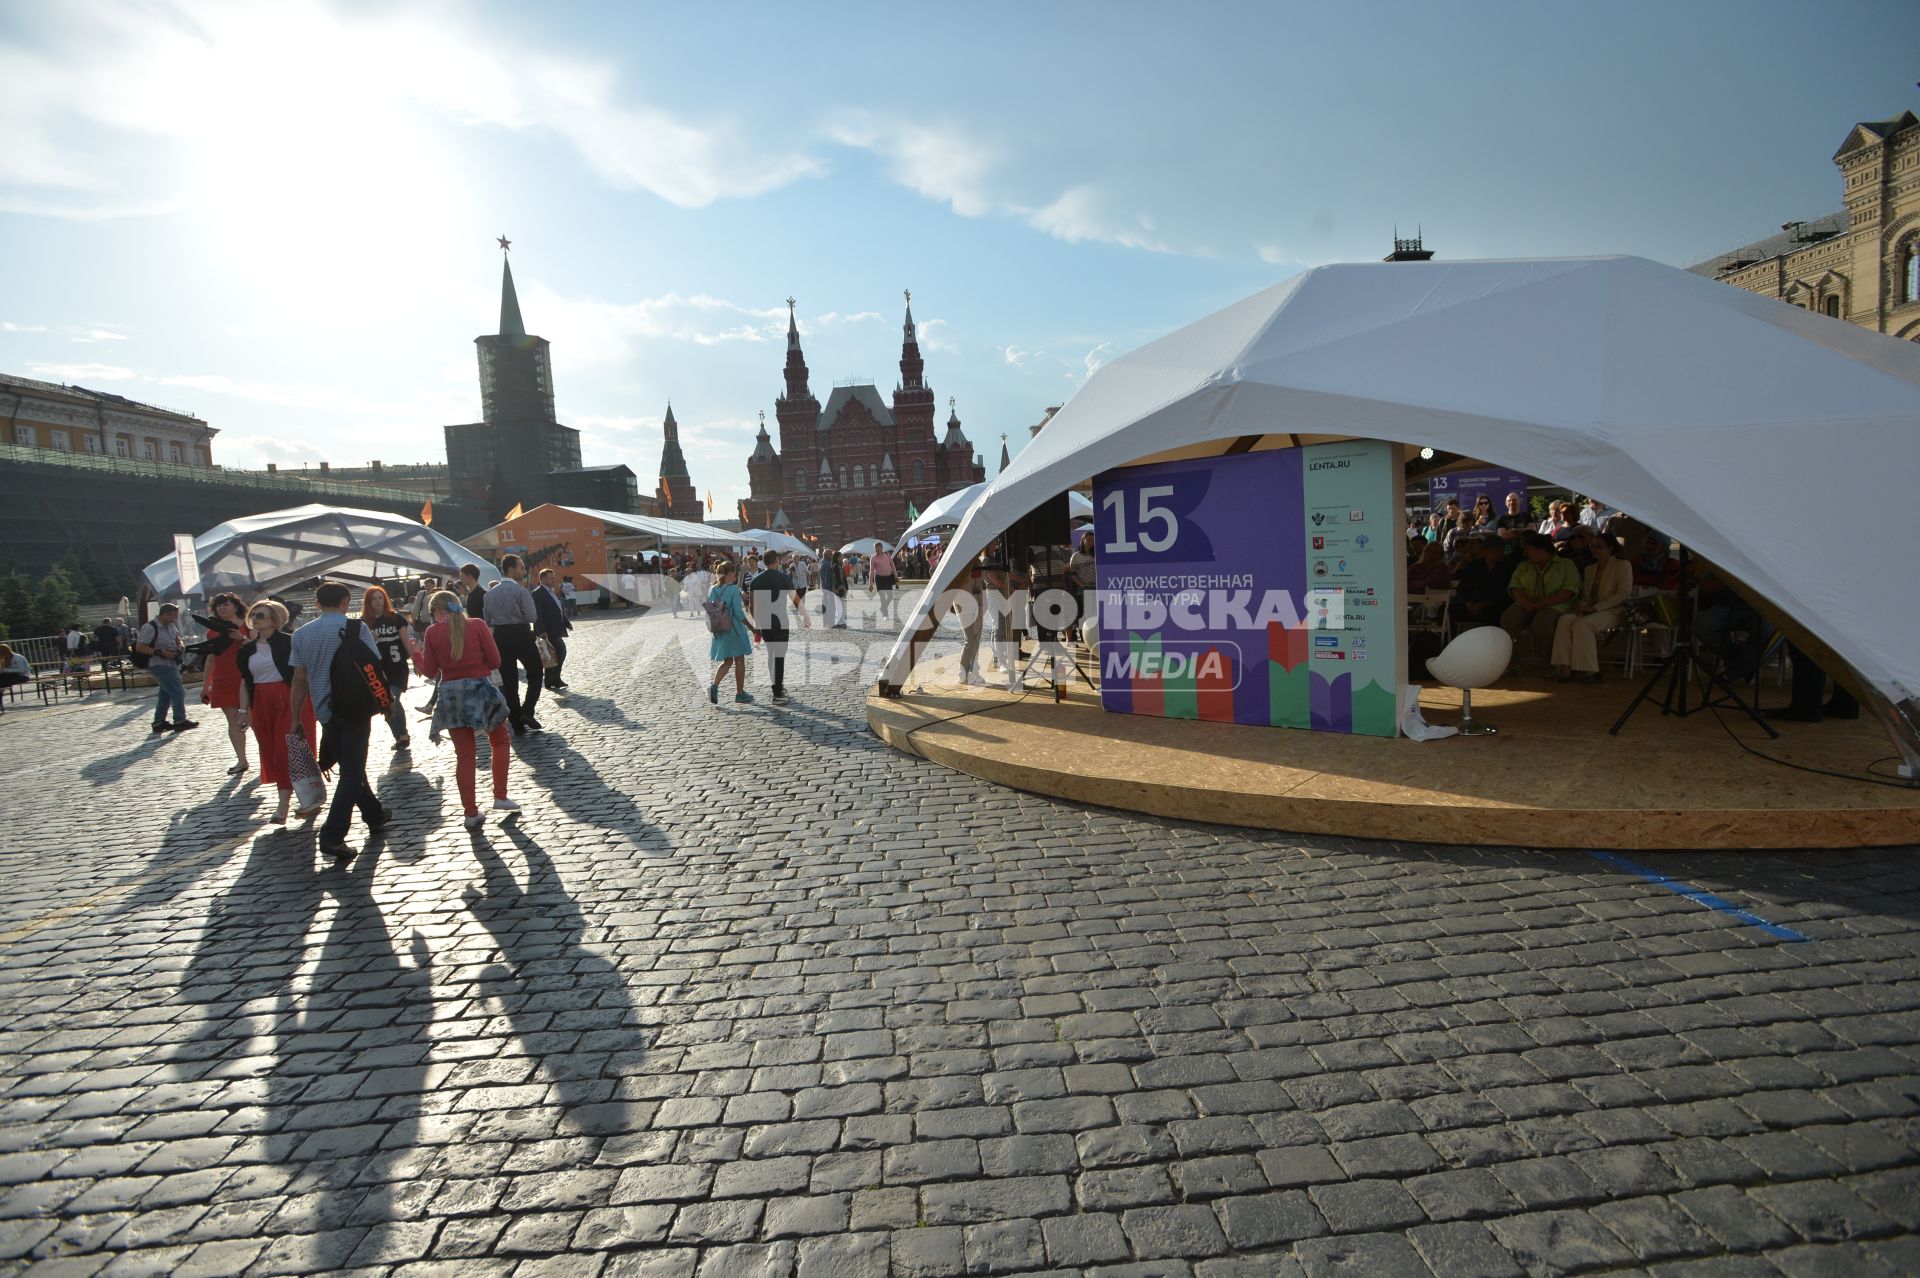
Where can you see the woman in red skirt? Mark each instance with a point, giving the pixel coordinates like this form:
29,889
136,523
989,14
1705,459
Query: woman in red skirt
220,680
265,666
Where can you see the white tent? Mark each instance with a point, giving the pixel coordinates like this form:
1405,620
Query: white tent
1778,443
769,540
275,549
864,546
668,532
942,511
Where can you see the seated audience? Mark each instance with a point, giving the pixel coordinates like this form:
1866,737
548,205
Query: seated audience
1480,587
1543,587
1431,572
1604,588
1655,567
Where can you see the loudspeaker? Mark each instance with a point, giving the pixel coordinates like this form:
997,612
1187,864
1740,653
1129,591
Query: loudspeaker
1044,525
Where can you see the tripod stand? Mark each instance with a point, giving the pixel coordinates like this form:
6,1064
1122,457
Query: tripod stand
1682,669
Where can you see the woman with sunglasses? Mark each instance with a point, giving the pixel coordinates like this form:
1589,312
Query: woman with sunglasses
266,676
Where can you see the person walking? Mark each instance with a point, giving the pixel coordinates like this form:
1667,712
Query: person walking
391,638
160,641
770,594
474,596
800,568
551,608
570,595
884,579
419,608
265,665
511,617
460,652
730,646
833,591
314,647
106,641
220,680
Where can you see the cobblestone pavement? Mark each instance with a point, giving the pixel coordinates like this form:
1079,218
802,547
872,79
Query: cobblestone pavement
745,993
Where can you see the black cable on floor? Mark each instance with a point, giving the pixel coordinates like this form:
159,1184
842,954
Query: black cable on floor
996,705
1870,776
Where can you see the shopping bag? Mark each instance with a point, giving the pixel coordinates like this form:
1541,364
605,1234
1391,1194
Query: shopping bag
309,791
548,658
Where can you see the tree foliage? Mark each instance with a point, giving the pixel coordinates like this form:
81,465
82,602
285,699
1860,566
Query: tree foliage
55,606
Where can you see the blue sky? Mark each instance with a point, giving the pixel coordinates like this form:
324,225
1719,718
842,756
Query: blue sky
281,216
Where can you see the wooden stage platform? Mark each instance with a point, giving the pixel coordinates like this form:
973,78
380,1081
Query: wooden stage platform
1552,778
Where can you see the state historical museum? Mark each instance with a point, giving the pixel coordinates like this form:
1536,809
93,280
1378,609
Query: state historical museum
852,469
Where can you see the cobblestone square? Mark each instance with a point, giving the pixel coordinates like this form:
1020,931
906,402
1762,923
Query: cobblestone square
744,992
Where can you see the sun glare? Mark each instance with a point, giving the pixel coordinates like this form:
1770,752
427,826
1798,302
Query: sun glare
312,165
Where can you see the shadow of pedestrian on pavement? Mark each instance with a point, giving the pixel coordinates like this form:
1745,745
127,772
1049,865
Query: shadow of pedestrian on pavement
569,1005
576,788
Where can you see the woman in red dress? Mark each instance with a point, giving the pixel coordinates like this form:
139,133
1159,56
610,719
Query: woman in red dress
220,682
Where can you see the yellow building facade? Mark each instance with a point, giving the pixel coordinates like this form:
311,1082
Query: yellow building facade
1862,263
73,419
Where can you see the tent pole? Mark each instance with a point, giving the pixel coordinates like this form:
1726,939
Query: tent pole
1902,723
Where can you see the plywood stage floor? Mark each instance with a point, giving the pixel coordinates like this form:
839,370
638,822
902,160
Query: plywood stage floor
1551,778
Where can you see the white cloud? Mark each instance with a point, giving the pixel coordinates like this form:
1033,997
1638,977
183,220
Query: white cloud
82,372
1014,356
100,335
258,450
315,398
10,327
945,163
116,111
595,332
938,161
1079,215
1095,358
931,338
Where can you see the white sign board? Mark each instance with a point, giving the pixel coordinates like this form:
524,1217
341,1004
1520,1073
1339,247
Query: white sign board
186,561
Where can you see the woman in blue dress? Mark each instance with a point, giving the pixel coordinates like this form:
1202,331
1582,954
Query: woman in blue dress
734,644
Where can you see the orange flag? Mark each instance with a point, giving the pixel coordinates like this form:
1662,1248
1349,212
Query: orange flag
709,501
516,512
666,490
426,513
743,512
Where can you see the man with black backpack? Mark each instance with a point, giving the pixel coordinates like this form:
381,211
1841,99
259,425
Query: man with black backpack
335,665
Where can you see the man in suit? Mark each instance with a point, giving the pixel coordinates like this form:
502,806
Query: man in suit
551,607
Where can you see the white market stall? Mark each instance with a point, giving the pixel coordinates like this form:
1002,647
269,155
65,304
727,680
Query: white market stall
1707,411
767,539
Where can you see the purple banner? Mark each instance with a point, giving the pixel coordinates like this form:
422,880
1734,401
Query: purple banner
1469,485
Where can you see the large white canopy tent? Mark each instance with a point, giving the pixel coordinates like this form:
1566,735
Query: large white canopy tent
1778,443
272,550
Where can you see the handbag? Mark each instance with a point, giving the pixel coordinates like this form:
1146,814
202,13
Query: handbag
309,791
544,647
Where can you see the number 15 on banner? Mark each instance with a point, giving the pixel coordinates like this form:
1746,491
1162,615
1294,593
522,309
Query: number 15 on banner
1155,520
1151,514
